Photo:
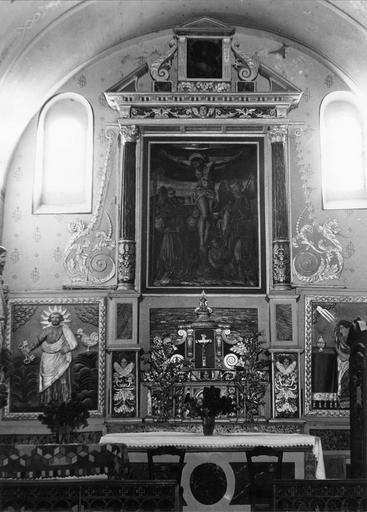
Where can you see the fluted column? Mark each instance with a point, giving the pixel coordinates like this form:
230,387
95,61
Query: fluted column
126,244
280,200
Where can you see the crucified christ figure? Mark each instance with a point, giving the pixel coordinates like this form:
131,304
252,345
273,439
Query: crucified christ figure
203,193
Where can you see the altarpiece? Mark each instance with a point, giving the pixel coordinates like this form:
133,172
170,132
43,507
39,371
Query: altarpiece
203,192
197,142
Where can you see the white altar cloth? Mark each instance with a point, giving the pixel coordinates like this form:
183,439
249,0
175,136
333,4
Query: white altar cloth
221,442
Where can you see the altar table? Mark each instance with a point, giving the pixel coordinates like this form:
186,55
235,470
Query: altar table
221,442
224,454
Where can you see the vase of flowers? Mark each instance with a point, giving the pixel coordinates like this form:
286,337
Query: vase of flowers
208,406
208,425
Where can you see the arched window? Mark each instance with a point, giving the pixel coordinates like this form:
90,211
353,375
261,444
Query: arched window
64,157
343,159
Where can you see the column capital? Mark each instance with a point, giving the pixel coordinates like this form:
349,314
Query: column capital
129,133
278,134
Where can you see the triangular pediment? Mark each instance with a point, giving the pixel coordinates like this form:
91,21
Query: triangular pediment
208,26
203,67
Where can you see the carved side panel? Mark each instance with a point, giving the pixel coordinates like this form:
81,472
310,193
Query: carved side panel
124,383
286,384
90,256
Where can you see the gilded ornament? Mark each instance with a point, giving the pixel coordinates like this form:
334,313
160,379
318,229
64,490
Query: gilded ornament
278,134
247,67
129,133
206,86
123,387
160,68
89,257
281,262
203,112
320,254
126,260
286,385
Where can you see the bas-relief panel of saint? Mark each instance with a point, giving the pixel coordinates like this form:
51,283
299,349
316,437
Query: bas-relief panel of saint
205,215
55,350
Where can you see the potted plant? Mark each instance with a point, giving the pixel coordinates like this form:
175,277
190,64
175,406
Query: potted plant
63,418
207,406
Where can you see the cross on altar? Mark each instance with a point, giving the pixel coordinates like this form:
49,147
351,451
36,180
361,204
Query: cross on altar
203,342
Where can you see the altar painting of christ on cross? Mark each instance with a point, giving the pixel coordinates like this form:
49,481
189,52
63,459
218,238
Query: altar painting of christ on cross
205,215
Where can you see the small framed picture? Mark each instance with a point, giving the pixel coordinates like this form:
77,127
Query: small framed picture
123,321
283,321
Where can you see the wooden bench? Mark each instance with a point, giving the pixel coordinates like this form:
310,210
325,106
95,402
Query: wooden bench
92,495
320,495
78,478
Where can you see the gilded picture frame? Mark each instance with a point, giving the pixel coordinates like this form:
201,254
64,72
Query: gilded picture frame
204,221
37,374
326,374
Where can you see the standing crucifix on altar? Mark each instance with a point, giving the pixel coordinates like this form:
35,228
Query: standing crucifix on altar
203,342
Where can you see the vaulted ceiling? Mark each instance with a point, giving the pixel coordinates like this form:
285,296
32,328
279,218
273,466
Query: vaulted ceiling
43,43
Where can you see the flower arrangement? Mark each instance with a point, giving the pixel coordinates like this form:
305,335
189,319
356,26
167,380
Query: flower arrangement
162,369
63,418
252,372
211,404
208,406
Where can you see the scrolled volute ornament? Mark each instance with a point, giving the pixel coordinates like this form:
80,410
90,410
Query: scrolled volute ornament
161,67
89,257
182,336
247,67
